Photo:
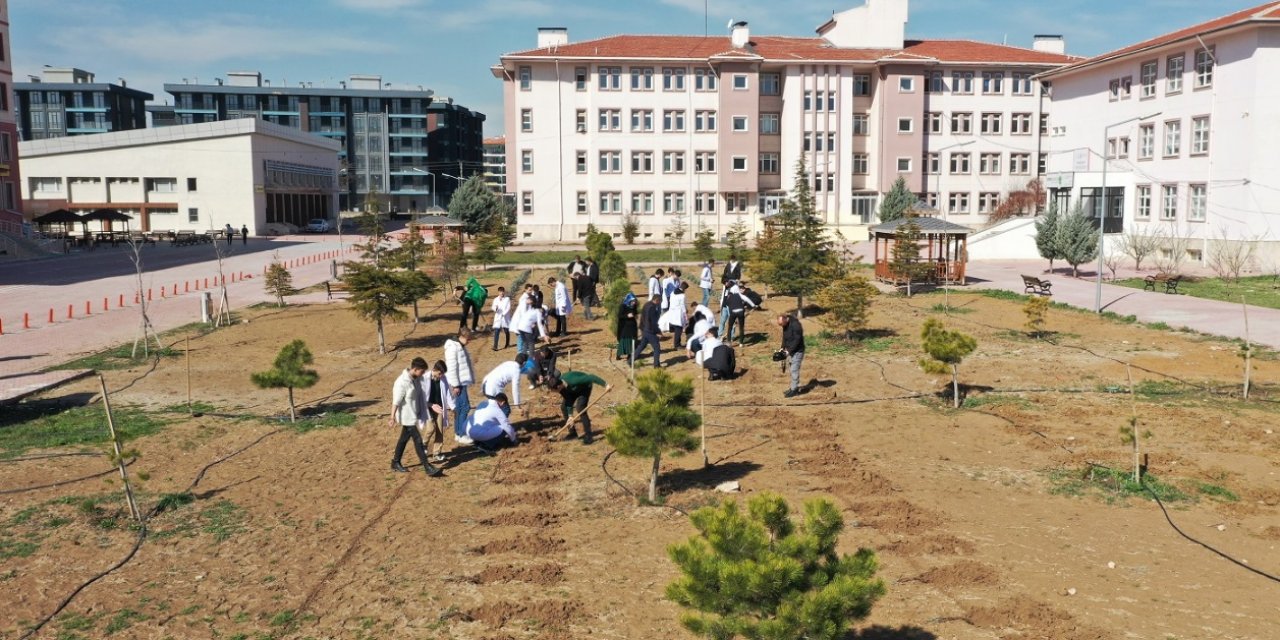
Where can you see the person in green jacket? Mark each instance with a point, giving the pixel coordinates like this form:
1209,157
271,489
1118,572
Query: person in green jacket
472,298
575,390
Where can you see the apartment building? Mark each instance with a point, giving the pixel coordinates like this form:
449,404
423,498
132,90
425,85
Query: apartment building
1189,123
10,178
495,163
403,144
71,102
712,128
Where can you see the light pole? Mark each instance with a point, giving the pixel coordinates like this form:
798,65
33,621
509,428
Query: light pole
938,181
1102,210
433,183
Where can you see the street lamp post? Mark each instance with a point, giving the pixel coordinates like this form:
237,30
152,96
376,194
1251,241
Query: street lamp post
433,183
1102,209
938,181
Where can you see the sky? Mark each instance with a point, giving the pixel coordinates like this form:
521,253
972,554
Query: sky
449,45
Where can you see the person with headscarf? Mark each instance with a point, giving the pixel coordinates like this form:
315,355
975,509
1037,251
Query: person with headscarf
628,327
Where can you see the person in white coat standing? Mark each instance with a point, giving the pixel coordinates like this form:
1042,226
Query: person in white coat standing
706,281
409,412
460,376
676,316
564,307
501,309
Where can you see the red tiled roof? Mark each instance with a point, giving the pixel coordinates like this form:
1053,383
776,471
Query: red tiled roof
495,140
785,49
1268,11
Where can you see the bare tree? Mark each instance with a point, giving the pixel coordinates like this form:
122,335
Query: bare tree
1113,261
1139,244
223,315
1228,258
146,330
1173,251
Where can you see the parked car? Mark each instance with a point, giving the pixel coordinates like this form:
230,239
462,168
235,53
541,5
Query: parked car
318,225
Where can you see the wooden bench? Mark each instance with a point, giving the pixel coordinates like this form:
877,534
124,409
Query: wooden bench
182,239
332,287
138,237
1170,283
1035,286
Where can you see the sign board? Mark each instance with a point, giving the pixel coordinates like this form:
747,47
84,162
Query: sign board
1060,180
257,188
1080,160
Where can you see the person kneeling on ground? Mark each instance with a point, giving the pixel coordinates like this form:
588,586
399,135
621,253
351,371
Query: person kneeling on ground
575,391
488,426
721,364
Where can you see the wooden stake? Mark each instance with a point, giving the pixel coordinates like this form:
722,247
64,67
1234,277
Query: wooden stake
1248,349
187,350
115,442
703,413
1133,423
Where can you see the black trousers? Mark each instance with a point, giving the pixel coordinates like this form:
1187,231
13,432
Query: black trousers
677,336
648,339
505,332
469,308
579,404
408,432
561,325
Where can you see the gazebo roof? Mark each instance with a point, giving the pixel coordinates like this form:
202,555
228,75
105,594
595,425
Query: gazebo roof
929,226
437,221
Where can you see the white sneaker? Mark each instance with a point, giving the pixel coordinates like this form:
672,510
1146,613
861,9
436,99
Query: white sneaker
463,440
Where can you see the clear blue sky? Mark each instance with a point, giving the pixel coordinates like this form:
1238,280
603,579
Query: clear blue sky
449,45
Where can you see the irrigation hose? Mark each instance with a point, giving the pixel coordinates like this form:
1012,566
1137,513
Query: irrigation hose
108,472
1213,550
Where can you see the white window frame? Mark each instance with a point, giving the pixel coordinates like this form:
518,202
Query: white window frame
993,83
1146,141
1205,63
770,163
741,82
673,162
1148,72
739,124
861,85
770,124
861,124
909,122
992,123
1200,135
906,84
989,163
1175,70
961,123
641,78
1172,142
1142,202
1168,202
958,202
903,164
673,78
525,75
959,163
1197,202
962,82
861,163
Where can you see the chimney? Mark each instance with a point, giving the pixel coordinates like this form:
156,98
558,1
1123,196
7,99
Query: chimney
740,35
1050,44
552,37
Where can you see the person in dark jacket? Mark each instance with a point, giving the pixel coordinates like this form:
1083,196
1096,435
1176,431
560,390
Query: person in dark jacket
722,364
793,346
650,333
244,234
732,270
540,367
575,391
593,280
628,325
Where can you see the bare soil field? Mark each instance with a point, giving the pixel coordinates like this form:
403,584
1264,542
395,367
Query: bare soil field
1001,519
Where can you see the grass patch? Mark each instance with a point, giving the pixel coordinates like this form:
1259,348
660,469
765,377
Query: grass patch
996,399
327,420
950,310
632,256
120,357
1262,291
1215,491
283,619
827,343
876,345
221,520
123,619
1111,485
27,426
196,407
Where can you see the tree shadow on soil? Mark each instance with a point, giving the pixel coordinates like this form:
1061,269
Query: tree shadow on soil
880,632
870,334
423,342
965,391
36,409
350,406
707,477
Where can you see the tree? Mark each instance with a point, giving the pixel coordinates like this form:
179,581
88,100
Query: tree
1173,251
1047,235
658,420
288,372
630,227
1019,202
704,244
674,235
613,267
946,350
904,258
898,202
489,243
378,292
599,244
796,251
847,300
1138,244
1077,239
278,282
1036,308
735,239
1228,258
453,260
613,295
411,252
760,575
475,205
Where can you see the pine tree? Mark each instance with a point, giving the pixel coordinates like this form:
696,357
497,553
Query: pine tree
847,300
599,244
630,227
704,244
1035,310
1077,239
1047,235
795,247
898,202
658,420
904,260
412,251
489,243
289,372
946,350
278,282
735,239
760,575
613,294
376,294
475,205
613,267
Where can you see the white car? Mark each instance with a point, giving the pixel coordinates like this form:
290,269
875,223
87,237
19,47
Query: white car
318,225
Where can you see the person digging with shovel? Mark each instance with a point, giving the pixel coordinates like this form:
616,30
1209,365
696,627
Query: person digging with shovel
575,390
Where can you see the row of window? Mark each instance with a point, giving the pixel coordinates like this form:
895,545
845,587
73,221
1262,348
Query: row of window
159,185
1175,67
610,161
648,203
1170,142
963,83
1170,200
989,123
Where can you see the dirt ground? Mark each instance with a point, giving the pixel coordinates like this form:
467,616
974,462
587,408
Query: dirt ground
982,517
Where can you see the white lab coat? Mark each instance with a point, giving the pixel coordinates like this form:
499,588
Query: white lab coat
501,309
564,306
502,375
705,279
676,315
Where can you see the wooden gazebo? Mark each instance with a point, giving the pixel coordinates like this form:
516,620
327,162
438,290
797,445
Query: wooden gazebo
439,226
944,245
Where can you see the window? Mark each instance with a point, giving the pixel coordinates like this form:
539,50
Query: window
611,120
609,78
580,79
932,122
1022,84
1142,202
673,78
831,101
937,83
988,201
932,163
673,162
580,164
740,123
1172,138
704,121
55,120
642,78
959,162
641,162
1147,79
1196,202
930,198
1204,68
993,82
704,80
769,163
1126,87
771,123
770,84
962,82
904,165
1044,124
991,124
526,78
861,126
6,147
1020,164
735,203
861,164
610,202
526,161
704,202
906,125
191,184
808,101
961,123
610,162
1146,141
738,163
1200,135
193,215
906,84
704,162
862,85
1174,68
582,203
642,202
641,120
740,82
4,91
580,120
673,202
989,163
162,185
673,120
1042,163
1169,208
958,202
11,194
1113,90
526,120
864,206
1020,124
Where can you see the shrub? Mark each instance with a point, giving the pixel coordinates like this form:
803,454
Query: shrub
946,349
289,371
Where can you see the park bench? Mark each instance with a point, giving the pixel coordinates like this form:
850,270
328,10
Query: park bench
332,287
137,237
1034,285
182,239
1170,283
